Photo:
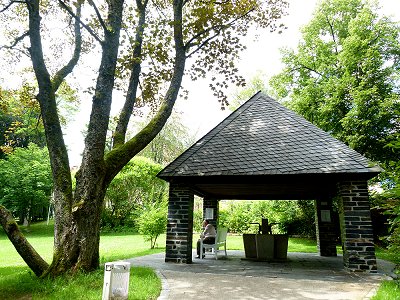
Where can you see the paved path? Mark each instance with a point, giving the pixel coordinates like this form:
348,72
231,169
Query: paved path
302,276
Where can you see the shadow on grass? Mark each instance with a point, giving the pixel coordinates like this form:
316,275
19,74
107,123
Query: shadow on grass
17,282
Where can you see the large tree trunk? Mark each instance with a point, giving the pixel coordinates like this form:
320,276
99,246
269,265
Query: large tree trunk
78,247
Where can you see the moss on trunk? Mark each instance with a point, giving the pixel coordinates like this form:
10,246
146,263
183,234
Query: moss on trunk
21,244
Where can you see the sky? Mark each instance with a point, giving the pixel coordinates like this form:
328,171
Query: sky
201,112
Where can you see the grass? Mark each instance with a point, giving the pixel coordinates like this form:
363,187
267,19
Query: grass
18,282
389,289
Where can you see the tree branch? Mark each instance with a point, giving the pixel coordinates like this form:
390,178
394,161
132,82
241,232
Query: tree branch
93,154
102,23
16,41
205,42
54,136
10,4
332,33
118,157
307,68
91,32
67,69
35,262
124,117
218,29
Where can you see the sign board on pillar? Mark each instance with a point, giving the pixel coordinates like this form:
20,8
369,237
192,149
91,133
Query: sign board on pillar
325,216
209,213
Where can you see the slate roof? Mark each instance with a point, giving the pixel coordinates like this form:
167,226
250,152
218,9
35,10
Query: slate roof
262,137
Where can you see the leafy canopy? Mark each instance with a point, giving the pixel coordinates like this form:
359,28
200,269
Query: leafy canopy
25,182
343,76
134,189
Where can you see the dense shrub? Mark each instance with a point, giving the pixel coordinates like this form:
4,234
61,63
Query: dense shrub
134,189
153,222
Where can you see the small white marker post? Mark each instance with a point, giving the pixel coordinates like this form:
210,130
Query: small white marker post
116,281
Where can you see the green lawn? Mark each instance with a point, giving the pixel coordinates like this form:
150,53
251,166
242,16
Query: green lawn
17,281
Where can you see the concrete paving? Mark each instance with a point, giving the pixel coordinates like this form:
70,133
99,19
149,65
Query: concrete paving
302,276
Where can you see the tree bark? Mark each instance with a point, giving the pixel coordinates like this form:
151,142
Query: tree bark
121,155
21,244
126,112
79,247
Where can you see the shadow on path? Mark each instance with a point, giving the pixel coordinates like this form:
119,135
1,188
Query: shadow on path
302,276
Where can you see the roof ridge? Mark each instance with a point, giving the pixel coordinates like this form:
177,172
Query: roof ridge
212,133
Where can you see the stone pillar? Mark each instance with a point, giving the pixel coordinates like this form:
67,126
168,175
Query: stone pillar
211,203
356,227
325,227
180,224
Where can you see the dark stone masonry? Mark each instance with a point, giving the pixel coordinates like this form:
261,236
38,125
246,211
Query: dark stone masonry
180,224
213,204
356,227
325,228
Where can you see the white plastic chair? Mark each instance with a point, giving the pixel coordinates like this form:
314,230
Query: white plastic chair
220,240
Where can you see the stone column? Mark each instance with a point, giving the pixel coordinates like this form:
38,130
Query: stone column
356,227
180,224
213,204
325,227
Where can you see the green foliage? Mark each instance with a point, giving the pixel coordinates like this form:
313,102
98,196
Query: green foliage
20,116
390,201
135,188
343,76
26,183
236,216
198,220
389,289
152,223
172,140
20,121
291,217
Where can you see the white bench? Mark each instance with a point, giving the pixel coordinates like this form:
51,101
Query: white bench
220,240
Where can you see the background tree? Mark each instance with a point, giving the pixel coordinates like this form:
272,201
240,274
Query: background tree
20,117
141,42
172,140
344,74
26,183
389,201
20,121
256,83
135,189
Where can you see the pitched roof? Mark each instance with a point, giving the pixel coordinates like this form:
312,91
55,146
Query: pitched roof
262,137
